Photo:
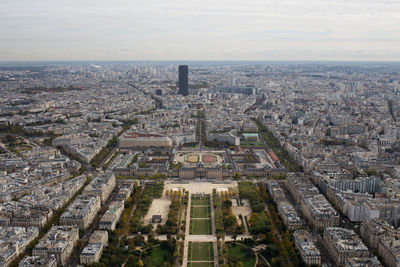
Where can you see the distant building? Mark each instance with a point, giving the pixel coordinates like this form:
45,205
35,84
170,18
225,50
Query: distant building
92,252
158,92
136,139
306,247
363,262
112,215
200,172
101,186
372,231
319,212
300,187
250,136
36,261
224,138
389,251
234,89
289,215
276,191
58,241
13,241
81,212
183,80
343,244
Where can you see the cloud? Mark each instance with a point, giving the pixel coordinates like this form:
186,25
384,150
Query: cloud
208,29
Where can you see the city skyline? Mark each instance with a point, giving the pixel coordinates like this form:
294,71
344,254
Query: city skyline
106,154
207,133
242,30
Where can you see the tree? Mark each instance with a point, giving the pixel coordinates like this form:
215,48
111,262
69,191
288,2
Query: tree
229,221
328,132
142,164
237,175
151,237
10,139
227,203
234,236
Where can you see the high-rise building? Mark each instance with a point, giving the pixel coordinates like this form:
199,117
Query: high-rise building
183,79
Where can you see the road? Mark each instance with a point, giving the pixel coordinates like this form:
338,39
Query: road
93,226
316,237
113,151
4,147
186,242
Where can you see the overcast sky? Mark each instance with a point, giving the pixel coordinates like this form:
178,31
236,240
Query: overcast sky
200,30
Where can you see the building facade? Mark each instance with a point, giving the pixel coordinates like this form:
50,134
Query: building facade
343,244
306,247
184,80
58,241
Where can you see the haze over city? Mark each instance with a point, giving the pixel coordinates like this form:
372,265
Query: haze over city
356,30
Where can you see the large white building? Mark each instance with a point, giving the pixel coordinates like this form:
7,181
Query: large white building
136,139
223,138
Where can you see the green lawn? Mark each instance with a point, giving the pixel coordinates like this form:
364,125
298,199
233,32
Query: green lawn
243,254
200,227
204,201
157,257
200,212
200,251
249,144
200,264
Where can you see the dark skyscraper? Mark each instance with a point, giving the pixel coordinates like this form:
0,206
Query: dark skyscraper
183,79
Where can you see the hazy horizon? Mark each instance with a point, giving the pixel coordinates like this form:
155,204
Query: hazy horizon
183,61
253,30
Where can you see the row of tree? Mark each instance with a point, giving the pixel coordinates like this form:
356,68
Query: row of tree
279,249
150,192
112,143
280,151
225,220
249,191
172,222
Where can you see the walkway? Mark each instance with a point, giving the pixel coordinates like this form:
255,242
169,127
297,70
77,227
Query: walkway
186,243
215,245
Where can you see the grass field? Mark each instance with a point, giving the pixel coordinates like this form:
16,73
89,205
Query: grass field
158,256
196,201
249,144
200,208
200,251
245,255
200,264
200,227
200,212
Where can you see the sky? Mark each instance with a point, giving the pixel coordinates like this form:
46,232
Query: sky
356,30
